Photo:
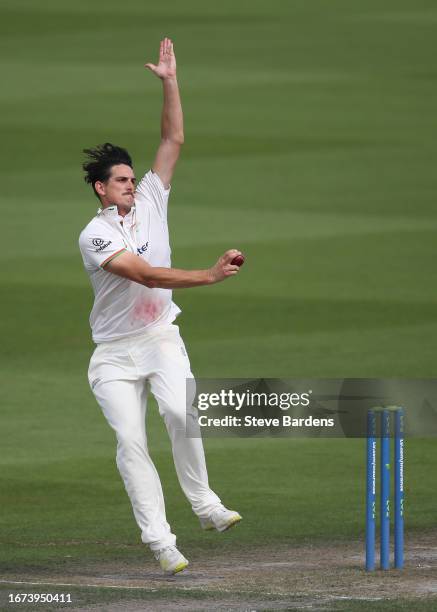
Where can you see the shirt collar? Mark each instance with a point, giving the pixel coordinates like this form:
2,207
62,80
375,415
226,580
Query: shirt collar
112,211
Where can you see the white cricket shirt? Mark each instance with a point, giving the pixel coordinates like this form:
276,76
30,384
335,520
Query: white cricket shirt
122,307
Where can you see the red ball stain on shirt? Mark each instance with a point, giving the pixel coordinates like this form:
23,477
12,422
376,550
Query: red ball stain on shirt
147,311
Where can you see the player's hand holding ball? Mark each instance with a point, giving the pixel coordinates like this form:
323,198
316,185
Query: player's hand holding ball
228,265
238,260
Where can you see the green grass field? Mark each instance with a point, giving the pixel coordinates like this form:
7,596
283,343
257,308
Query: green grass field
311,146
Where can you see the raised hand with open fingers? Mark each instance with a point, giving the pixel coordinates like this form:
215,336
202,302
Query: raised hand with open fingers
166,67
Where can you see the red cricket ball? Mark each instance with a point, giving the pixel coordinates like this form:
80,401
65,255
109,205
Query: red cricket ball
238,260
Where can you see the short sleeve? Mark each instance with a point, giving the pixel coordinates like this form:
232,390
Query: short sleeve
151,190
99,248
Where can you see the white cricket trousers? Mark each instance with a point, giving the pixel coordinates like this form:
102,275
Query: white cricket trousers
118,373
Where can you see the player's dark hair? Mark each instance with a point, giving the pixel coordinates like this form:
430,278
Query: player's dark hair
100,160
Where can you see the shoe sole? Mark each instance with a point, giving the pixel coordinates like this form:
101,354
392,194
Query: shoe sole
232,522
179,568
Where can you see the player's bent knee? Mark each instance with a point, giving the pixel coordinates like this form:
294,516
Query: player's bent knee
175,418
130,441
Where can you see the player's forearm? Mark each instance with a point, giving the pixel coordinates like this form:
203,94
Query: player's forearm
173,278
136,269
172,120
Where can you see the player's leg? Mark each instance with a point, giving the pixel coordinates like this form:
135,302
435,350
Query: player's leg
121,392
123,403
168,384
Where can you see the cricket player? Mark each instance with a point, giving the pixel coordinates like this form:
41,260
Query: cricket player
126,252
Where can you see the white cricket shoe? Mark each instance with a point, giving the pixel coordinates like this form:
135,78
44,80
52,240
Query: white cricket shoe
221,519
171,560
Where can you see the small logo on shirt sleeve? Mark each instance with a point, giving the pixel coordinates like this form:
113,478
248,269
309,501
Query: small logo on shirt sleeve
100,244
95,382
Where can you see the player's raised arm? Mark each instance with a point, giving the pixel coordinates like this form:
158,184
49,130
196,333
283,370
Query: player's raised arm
172,123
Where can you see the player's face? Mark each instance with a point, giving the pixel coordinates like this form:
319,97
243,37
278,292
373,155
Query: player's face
120,187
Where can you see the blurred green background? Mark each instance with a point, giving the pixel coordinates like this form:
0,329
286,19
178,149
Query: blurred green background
311,146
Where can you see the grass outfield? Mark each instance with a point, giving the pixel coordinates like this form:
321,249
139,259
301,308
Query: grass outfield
310,145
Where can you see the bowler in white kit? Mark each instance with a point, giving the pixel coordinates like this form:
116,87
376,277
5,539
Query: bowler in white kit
126,252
